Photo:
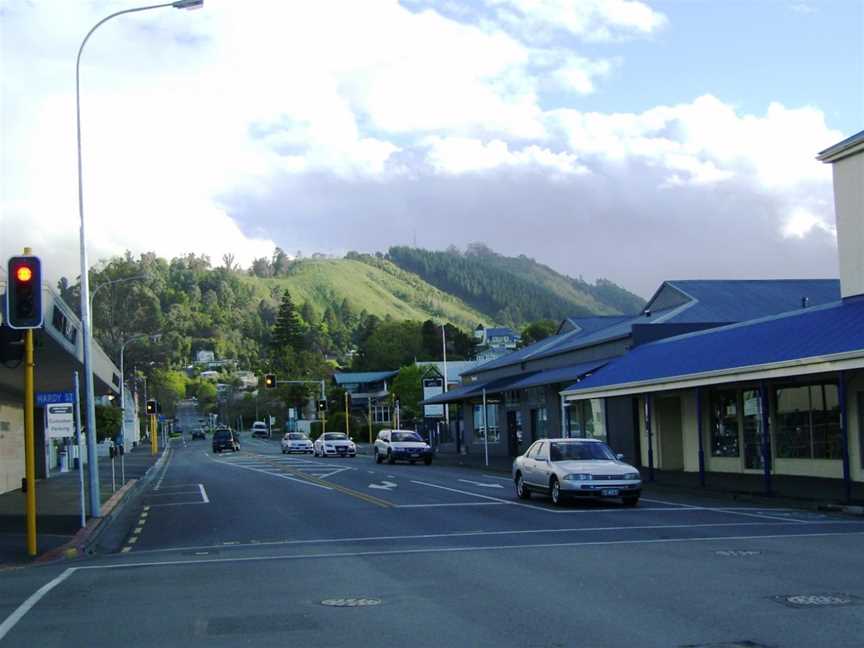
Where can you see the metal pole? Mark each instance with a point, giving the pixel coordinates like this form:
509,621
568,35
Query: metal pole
323,410
844,434
154,443
564,431
699,433
485,429
650,437
29,441
347,419
122,399
370,420
766,446
113,477
444,350
80,453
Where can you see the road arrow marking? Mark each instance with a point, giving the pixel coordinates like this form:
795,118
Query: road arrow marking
484,485
384,485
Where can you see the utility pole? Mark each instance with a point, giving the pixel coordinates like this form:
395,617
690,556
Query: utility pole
370,419
347,418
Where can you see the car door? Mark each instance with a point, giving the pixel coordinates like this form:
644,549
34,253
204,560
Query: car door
384,443
540,466
531,467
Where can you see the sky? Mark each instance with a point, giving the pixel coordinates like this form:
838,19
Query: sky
634,140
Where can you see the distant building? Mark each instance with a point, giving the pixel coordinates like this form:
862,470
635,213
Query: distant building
248,379
209,375
203,357
369,390
494,342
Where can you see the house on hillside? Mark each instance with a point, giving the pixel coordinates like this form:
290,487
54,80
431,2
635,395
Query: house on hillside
370,392
522,388
492,343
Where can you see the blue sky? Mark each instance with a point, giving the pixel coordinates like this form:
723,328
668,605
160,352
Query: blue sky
579,133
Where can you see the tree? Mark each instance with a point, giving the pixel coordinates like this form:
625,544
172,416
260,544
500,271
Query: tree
391,344
408,388
537,331
288,330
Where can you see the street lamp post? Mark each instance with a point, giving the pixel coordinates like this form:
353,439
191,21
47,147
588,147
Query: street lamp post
87,333
153,338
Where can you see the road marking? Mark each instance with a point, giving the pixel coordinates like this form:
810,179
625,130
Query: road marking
132,540
138,530
203,494
32,600
146,508
483,484
384,485
449,504
164,470
194,492
178,504
272,474
516,547
126,549
730,511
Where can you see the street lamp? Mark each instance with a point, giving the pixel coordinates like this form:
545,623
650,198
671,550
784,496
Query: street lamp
87,333
153,338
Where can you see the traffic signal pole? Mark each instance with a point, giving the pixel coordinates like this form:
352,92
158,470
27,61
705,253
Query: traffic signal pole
29,441
154,441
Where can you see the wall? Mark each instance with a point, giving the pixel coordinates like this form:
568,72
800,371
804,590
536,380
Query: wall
620,428
849,208
11,446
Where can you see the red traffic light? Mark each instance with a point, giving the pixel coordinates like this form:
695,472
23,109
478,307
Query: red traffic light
24,273
24,293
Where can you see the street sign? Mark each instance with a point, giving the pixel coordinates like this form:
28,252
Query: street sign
46,398
59,420
292,413
433,387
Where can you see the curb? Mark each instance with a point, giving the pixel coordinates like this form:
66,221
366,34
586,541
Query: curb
81,542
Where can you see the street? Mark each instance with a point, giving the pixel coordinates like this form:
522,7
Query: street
261,549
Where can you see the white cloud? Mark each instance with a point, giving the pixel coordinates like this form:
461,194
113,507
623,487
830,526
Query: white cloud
456,155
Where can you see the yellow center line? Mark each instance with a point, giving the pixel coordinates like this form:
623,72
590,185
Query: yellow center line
371,499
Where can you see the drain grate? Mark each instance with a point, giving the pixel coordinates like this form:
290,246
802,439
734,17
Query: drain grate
817,600
351,602
737,553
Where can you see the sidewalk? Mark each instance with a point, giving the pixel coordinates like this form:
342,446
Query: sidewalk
58,506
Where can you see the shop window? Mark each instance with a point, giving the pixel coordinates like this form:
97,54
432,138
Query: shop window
491,423
808,422
538,423
724,424
587,419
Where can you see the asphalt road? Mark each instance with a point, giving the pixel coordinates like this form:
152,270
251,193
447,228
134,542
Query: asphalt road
241,549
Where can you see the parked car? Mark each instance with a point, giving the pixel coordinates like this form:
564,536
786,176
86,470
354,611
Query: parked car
405,445
260,429
296,442
199,434
225,439
565,468
334,444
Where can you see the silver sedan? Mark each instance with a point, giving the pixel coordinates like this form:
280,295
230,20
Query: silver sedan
571,468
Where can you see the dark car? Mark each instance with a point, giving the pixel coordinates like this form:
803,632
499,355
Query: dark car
198,434
225,439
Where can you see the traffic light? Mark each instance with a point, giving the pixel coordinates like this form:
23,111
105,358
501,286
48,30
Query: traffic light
24,293
151,407
269,381
322,405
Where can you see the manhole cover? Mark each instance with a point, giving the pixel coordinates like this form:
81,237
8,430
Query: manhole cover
817,600
351,602
737,553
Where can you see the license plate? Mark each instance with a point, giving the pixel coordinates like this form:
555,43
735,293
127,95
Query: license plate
415,455
609,492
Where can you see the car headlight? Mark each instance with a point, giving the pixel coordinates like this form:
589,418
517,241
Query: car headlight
632,476
577,477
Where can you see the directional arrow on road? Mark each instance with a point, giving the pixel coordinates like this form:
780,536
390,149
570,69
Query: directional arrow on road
483,484
384,485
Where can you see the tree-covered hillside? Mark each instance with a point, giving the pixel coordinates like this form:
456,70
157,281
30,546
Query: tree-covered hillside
513,290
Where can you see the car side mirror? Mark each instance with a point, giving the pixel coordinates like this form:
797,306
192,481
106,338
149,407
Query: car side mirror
619,457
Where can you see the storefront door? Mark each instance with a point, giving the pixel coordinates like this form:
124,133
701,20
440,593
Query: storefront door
752,430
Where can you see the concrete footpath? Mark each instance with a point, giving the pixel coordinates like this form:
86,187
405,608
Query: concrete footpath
58,509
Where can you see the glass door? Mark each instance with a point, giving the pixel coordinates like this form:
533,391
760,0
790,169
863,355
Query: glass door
752,430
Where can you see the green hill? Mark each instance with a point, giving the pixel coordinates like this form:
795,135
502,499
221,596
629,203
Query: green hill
368,283
513,290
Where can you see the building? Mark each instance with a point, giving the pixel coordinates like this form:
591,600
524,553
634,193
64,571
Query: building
59,353
492,343
204,357
369,392
780,398
522,389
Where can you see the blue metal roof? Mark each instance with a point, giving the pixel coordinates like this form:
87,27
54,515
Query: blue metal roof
362,377
727,301
718,301
501,331
805,333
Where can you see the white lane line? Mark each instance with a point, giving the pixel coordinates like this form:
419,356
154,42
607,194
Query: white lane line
32,600
448,504
272,474
167,486
194,492
126,550
731,511
467,534
481,484
442,550
178,504
164,470
203,494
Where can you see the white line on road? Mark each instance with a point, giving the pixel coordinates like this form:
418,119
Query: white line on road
442,550
730,510
203,494
484,485
32,600
272,474
164,470
448,504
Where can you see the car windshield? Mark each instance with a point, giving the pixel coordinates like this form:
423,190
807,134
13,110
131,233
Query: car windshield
297,437
568,450
334,436
222,434
406,436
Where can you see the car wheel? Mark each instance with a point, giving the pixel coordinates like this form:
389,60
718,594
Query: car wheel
390,458
631,501
428,461
522,491
555,491
378,458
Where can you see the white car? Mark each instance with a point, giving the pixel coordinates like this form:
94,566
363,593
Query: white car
565,468
404,445
259,429
296,442
334,444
